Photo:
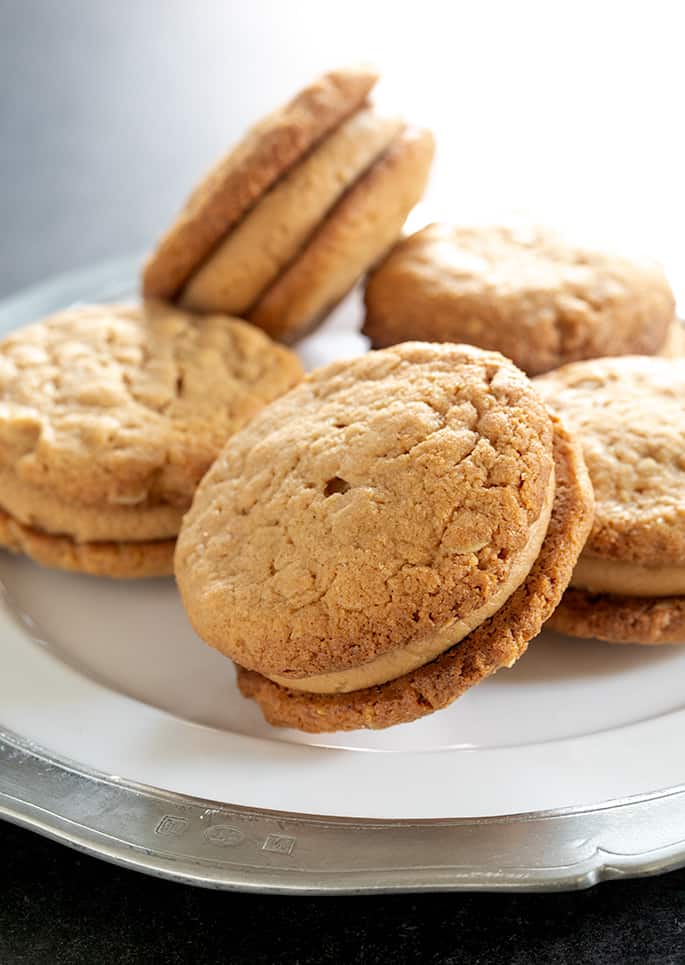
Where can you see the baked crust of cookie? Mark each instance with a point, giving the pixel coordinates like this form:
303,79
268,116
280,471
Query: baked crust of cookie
38,508
278,226
110,415
374,505
620,619
354,235
528,293
628,412
497,643
266,153
124,560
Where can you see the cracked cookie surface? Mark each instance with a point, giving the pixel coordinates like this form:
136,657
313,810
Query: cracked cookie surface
110,415
497,643
370,506
528,293
630,415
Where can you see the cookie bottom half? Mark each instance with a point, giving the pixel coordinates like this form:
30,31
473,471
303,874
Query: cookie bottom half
621,619
497,643
122,561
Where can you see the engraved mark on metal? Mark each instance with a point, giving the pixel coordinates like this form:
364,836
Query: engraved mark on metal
279,843
172,825
224,836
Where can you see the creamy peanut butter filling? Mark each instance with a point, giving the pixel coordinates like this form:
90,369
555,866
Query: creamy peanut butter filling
128,521
426,648
674,343
597,575
252,255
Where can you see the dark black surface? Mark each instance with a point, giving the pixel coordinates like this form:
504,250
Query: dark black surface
107,113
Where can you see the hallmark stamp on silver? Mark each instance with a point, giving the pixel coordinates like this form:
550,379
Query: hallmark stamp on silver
223,835
279,843
172,825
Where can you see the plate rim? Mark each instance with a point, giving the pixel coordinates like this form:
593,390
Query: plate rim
187,839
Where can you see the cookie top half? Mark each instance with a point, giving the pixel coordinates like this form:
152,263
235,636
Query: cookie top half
107,409
380,502
526,292
629,413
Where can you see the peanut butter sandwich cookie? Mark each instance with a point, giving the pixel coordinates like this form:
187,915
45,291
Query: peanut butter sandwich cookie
109,417
629,583
385,536
285,224
527,293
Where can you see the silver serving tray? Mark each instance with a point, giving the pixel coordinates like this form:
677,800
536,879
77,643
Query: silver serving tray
221,845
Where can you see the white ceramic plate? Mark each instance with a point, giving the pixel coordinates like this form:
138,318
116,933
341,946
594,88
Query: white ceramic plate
110,675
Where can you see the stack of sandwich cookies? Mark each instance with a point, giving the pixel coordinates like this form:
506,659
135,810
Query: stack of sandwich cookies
109,417
287,222
629,584
387,534
528,293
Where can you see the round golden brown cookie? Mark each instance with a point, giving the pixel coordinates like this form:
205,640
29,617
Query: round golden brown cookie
527,293
109,417
356,233
497,643
372,517
267,151
629,583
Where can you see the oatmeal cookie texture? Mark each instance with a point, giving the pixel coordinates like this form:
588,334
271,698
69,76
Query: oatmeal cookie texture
526,292
109,417
370,509
629,584
285,225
